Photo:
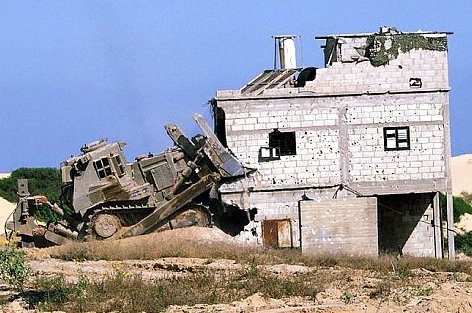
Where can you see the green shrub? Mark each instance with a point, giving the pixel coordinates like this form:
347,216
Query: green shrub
464,243
13,270
41,181
422,292
460,207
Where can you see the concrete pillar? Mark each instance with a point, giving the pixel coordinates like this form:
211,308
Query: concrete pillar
447,160
450,227
438,242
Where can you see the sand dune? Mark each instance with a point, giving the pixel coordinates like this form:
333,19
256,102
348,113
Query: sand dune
461,168
5,208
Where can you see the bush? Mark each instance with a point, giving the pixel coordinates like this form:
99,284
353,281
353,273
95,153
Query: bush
460,207
12,268
467,197
464,243
41,181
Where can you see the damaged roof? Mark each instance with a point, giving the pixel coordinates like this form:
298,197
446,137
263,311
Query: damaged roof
359,35
268,79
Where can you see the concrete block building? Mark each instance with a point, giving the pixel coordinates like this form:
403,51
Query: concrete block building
348,158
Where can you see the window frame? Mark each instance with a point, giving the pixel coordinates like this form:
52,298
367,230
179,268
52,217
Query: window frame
285,142
398,139
103,169
118,165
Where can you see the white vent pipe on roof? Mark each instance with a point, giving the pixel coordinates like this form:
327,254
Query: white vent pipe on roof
285,44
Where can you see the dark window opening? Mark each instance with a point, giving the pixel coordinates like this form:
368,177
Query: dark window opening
220,124
284,141
396,138
102,167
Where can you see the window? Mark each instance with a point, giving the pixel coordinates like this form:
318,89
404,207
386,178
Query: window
284,141
220,125
102,167
118,164
397,138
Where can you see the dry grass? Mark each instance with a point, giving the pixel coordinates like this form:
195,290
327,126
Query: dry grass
121,292
184,243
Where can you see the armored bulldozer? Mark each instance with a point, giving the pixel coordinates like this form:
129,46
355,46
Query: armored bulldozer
104,196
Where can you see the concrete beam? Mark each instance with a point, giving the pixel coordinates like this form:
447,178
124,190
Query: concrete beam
438,242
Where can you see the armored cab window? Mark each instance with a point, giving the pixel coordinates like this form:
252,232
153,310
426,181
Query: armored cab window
396,138
118,165
283,141
102,167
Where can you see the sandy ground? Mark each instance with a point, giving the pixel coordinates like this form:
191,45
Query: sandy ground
343,289
5,210
350,292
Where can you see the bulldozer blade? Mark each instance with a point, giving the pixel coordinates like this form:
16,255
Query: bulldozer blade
162,214
227,164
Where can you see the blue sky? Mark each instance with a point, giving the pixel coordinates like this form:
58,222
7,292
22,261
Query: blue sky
75,71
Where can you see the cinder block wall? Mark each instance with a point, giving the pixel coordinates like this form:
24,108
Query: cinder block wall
340,139
428,65
338,120
277,205
423,113
340,226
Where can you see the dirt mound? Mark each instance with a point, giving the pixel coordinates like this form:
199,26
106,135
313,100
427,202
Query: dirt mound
155,245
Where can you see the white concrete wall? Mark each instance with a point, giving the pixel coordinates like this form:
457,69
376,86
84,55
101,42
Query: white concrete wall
323,124
430,66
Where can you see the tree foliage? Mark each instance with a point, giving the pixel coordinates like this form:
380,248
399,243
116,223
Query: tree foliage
41,181
467,197
460,207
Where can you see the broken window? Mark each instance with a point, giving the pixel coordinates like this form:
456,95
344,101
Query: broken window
268,154
283,141
102,167
396,138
